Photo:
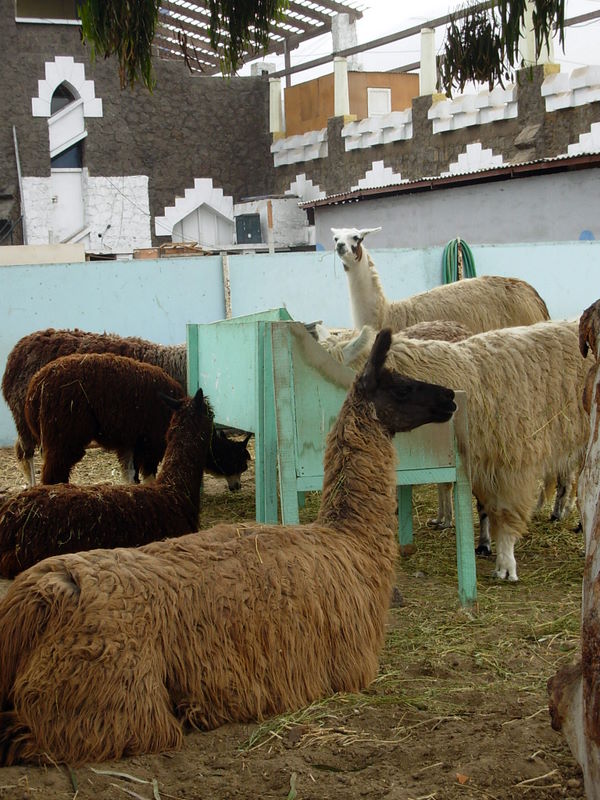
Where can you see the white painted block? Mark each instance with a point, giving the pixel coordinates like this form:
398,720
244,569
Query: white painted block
555,84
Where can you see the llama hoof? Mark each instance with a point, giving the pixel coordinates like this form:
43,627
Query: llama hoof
483,550
439,524
504,575
578,528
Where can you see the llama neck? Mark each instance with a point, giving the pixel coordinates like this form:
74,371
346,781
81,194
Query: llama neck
359,486
182,468
366,293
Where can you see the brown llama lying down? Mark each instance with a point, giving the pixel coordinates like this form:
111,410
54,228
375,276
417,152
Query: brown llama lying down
232,624
111,399
63,518
36,349
574,690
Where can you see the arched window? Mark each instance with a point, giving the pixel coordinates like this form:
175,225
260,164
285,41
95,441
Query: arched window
62,97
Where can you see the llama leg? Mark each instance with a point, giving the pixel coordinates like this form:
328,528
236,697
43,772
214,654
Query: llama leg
444,515
102,719
506,565
126,462
484,546
25,458
566,493
57,466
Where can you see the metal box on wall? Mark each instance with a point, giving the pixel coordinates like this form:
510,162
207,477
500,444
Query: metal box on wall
247,229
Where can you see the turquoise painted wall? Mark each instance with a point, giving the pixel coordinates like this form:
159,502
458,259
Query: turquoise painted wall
156,299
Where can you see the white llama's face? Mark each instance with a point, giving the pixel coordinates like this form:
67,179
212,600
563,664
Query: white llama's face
348,243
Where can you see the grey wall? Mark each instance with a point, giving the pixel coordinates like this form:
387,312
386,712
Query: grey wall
546,208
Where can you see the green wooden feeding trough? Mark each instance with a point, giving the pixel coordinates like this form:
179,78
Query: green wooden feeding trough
266,374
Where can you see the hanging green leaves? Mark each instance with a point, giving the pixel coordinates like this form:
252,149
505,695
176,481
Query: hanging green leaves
236,25
483,44
125,29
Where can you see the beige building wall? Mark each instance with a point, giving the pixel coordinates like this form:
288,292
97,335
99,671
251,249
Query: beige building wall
309,105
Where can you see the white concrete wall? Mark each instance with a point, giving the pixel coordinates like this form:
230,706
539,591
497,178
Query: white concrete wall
120,202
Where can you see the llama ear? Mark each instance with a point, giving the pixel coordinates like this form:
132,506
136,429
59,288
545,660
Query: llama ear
173,402
587,329
365,231
374,365
247,439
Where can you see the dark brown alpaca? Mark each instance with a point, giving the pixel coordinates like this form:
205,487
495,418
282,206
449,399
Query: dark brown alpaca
64,518
235,623
111,399
36,349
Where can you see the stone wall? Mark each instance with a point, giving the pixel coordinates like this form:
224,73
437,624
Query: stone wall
189,127
533,133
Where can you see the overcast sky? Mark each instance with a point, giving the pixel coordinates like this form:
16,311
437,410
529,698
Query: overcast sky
382,17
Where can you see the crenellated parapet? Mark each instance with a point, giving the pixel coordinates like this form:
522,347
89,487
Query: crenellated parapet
577,88
544,114
449,114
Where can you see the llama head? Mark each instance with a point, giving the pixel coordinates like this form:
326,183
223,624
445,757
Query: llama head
589,330
401,403
228,457
348,243
193,415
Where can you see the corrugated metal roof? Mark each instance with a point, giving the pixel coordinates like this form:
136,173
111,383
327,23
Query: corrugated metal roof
559,163
302,20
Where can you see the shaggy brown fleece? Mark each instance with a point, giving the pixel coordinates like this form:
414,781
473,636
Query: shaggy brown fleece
36,349
231,624
64,518
102,397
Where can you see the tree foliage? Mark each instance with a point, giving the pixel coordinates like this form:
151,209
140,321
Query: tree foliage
237,24
483,44
125,29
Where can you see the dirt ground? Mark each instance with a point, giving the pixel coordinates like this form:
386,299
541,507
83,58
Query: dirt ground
458,711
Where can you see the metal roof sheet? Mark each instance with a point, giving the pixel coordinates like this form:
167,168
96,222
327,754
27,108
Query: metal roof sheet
513,170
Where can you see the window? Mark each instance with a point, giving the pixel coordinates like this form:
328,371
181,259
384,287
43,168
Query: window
72,157
45,10
379,101
62,97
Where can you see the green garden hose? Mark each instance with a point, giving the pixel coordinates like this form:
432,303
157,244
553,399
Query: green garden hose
450,261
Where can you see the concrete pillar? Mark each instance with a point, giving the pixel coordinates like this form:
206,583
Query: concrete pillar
428,70
527,42
276,119
343,34
341,97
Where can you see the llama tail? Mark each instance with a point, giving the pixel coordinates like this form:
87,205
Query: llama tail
40,593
